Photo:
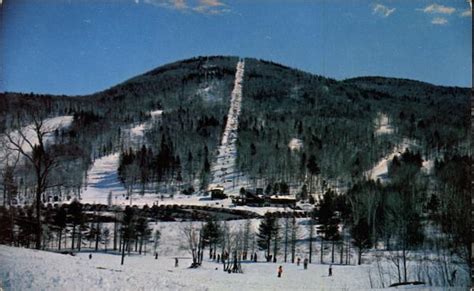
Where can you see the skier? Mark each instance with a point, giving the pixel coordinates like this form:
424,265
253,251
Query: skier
280,270
255,257
330,270
298,260
156,256
305,263
90,256
175,262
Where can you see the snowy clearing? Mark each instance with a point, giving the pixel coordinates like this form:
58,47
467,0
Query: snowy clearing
380,170
19,271
295,144
383,125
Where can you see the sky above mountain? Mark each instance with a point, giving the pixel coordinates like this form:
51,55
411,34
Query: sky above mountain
83,46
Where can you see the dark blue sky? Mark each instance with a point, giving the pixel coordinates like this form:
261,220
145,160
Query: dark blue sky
83,46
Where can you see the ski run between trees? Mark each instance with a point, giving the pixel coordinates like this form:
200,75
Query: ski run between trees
223,169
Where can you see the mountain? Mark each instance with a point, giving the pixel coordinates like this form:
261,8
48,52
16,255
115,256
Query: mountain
333,122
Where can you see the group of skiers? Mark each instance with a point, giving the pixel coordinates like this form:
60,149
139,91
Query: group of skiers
305,262
279,270
305,265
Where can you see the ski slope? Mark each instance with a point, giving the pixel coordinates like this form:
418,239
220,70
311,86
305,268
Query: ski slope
223,168
103,178
26,137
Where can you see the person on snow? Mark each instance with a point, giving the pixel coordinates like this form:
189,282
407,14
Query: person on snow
298,260
175,262
90,256
305,263
280,270
330,270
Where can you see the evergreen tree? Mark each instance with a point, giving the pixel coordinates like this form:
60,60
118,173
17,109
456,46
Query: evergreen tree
128,229
59,221
361,237
76,217
266,231
211,233
329,222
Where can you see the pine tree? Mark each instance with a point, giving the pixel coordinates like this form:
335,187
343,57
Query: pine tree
265,234
128,229
361,237
77,220
211,234
329,222
59,221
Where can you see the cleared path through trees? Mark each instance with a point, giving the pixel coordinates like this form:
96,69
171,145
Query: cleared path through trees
223,168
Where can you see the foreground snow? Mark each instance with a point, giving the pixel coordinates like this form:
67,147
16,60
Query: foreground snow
25,269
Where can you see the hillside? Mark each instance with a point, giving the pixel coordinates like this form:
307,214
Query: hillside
334,122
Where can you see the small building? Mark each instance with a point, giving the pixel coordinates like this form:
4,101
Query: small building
249,198
217,192
282,201
257,198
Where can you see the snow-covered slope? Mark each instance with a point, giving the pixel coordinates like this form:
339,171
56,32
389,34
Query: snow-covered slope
26,137
24,269
102,178
223,169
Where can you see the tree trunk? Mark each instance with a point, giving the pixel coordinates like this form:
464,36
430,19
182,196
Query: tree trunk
60,236
342,252
38,215
123,250
73,236
332,252
115,231
97,238
311,233
322,250
404,256
359,260
79,239
275,249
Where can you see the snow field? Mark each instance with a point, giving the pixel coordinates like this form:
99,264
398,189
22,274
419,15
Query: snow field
26,269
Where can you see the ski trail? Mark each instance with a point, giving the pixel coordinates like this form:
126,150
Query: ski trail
102,177
223,169
380,170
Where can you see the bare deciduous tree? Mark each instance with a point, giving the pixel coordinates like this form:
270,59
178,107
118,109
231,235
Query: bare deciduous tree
30,143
